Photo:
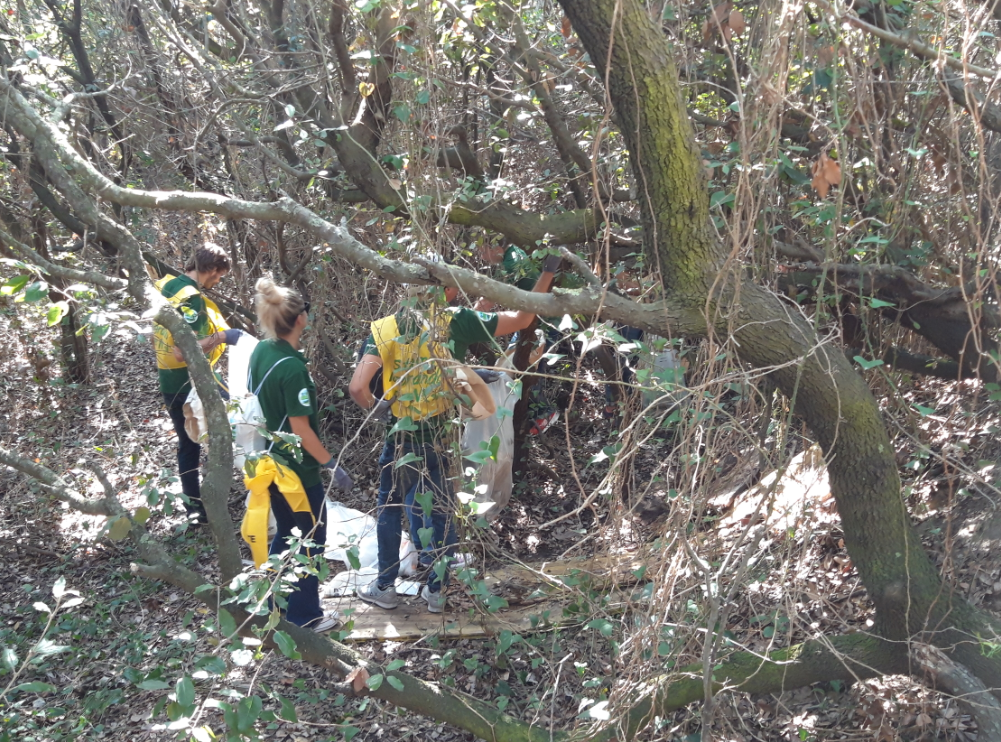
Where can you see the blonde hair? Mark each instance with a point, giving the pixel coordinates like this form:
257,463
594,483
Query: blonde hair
278,307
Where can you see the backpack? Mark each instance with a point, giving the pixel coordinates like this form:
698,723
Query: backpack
247,418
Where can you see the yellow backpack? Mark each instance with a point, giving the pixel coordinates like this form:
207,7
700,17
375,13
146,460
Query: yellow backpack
163,341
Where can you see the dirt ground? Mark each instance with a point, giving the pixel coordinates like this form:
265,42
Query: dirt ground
129,639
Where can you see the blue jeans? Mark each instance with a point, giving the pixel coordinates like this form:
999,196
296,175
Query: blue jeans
398,489
304,601
188,452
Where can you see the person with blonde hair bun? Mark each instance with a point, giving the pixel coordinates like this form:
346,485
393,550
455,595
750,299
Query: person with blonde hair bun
279,375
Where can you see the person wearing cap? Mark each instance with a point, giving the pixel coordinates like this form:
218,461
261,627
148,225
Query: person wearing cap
407,348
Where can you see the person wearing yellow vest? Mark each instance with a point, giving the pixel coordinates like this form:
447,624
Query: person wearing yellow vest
287,395
415,461
206,267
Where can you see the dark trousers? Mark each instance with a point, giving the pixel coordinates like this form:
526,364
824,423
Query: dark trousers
188,455
188,452
399,487
304,602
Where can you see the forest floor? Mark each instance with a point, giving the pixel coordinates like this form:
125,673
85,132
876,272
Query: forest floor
113,658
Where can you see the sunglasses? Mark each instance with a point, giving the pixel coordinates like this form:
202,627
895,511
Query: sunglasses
305,307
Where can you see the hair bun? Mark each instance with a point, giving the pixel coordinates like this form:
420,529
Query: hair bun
269,291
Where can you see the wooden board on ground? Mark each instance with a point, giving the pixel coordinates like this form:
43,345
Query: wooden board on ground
532,591
412,622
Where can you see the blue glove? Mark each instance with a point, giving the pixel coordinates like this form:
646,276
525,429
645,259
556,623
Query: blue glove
383,410
341,477
232,335
488,375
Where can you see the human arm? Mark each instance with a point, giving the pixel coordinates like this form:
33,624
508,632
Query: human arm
358,388
206,344
508,322
308,438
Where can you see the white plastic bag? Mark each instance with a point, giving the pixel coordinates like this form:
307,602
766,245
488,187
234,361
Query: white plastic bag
347,527
493,479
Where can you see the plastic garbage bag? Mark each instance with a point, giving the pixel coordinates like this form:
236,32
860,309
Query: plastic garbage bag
347,528
492,478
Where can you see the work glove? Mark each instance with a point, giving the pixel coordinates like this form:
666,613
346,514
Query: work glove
233,335
552,263
489,376
341,477
382,410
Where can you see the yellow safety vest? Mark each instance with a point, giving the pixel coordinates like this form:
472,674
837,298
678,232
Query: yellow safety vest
410,375
254,527
163,341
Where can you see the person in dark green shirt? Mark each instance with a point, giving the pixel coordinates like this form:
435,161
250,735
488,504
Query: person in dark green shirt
414,462
206,267
279,376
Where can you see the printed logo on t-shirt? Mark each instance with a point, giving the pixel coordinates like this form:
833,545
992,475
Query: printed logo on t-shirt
483,316
189,314
304,397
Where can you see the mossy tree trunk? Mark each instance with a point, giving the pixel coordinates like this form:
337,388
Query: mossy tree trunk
631,54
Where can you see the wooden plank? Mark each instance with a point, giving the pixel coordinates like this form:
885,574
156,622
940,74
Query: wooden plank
532,591
412,622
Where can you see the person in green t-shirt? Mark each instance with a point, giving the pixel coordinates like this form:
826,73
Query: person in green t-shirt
206,267
423,461
278,374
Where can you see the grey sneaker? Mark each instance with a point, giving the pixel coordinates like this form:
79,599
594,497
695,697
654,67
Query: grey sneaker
384,597
436,601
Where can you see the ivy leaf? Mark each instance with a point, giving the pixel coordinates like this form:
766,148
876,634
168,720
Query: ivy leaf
375,682
868,364
184,692
395,682
287,645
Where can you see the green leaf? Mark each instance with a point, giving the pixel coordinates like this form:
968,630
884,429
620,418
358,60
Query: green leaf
184,692
119,529
720,198
8,658
375,682
426,501
35,687
924,411
395,665
36,291
288,710
423,97
141,515
287,645
404,460
868,364
211,664
227,624
56,312
290,110
879,303
59,588
352,554
152,685
426,535
395,682
403,425
402,112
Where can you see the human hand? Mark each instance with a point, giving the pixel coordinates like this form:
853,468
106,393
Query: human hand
552,263
341,477
232,335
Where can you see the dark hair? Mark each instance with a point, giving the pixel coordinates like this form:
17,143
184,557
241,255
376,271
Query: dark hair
208,258
278,307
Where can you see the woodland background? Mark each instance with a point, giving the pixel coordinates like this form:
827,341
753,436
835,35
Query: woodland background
801,197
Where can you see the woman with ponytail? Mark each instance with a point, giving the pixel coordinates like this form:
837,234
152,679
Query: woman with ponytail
287,395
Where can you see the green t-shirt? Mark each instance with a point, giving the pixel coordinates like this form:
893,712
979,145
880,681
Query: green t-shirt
288,391
464,329
176,380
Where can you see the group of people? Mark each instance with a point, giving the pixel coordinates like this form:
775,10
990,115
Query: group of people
410,351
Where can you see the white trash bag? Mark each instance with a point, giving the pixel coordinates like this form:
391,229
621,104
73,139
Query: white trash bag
493,478
347,527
